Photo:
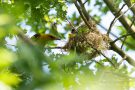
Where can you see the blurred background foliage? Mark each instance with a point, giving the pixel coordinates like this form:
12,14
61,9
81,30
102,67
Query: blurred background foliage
24,67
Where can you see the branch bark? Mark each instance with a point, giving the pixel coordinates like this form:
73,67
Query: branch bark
85,15
122,54
128,3
82,14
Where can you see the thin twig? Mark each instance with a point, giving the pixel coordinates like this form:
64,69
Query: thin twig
85,2
103,55
116,18
122,37
53,47
125,12
132,21
70,23
123,42
130,27
113,21
104,28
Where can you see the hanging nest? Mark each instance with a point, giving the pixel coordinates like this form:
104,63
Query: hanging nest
86,43
97,40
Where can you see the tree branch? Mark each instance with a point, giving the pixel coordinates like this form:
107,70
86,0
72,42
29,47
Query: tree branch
128,2
82,15
114,20
85,2
85,15
122,54
103,56
53,47
84,10
117,17
126,36
123,19
122,37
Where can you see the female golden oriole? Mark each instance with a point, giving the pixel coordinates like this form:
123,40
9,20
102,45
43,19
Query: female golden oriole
43,39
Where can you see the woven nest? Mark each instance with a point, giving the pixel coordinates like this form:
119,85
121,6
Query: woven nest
86,43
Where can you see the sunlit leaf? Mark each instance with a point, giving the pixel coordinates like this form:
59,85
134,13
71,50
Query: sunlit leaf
6,58
9,78
132,1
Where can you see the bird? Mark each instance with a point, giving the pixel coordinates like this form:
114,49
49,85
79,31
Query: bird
43,39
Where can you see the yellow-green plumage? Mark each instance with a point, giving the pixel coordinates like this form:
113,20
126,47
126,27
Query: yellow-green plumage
42,39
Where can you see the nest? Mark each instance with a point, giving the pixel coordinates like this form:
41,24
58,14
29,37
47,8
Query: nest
86,43
97,40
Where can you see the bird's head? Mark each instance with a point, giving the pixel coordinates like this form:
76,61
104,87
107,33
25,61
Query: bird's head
43,39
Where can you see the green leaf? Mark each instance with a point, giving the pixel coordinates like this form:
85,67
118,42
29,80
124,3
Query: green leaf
64,8
132,1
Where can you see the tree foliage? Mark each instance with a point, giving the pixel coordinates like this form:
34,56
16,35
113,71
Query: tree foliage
84,62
